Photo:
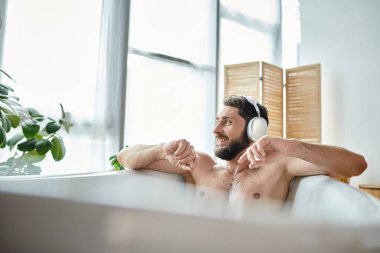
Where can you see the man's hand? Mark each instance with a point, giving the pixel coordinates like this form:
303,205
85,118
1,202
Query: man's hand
180,153
266,150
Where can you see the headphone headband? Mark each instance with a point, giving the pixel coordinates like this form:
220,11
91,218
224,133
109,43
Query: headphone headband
253,102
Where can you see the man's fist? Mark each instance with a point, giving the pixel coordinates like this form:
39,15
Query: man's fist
265,150
179,153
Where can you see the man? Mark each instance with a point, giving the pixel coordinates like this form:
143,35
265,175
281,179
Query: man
253,170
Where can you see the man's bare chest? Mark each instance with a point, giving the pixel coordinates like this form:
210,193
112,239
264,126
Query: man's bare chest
252,184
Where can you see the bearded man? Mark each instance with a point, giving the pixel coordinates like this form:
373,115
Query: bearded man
256,170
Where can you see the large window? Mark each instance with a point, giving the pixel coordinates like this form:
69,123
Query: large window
171,72
51,50
291,33
249,31
174,75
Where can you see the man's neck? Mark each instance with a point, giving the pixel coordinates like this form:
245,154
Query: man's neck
232,165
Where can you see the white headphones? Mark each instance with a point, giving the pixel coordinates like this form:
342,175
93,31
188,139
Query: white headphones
257,126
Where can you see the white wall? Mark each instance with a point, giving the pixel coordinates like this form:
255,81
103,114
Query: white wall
344,36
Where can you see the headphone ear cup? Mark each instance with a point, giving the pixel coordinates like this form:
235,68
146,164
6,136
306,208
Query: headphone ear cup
257,127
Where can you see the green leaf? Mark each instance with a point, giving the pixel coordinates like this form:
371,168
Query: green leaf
115,163
4,86
12,102
39,118
31,169
12,163
15,120
58,150
27,145
30,128
5,122
52,127
62,111
38,137
14,140
9,97
33,157
6,105
34,113
5,73
64,121
4,91
3,138
67,125
43,146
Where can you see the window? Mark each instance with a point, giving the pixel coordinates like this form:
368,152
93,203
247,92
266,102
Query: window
51,50
175,50
291,32
171,72
250,31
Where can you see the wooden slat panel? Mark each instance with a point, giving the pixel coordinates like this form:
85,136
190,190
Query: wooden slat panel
242,79
272,85
303,103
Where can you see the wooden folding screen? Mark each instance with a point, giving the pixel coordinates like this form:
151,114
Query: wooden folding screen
303,103
244,79
303,98
272,97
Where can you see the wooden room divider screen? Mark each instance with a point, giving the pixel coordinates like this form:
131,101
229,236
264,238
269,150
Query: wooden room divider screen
300,115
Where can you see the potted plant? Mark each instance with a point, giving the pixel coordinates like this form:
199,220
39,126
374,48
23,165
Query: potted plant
115,163
28,134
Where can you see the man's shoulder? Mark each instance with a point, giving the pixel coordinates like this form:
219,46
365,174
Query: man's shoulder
203,162
205,158
203,168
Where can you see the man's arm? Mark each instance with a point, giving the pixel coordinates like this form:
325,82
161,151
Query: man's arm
304,158
172,157
334,161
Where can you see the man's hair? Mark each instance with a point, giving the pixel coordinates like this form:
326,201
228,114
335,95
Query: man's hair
246,109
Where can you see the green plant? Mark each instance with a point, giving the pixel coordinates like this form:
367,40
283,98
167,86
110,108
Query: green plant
115,163
28,134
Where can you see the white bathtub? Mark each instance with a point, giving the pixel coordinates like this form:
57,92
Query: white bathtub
154,212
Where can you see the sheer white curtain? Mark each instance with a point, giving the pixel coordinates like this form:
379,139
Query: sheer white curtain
3,12
110,89
74,52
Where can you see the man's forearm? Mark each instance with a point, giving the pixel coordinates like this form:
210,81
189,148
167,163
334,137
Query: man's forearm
336,160
140,156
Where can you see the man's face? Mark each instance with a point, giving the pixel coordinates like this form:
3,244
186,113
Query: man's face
229,133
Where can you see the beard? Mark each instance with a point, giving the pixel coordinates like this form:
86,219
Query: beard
233,148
